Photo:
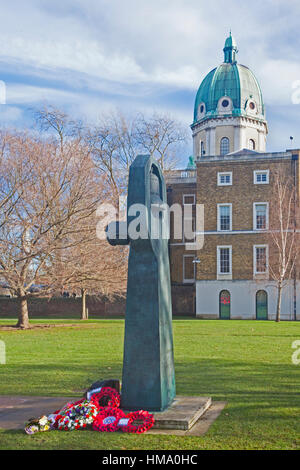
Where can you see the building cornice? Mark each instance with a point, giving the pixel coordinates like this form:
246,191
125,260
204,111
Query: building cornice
270,157
228,120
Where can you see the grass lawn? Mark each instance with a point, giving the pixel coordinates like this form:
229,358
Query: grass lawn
247,364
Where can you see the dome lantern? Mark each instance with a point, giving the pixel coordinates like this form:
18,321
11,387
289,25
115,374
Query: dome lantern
230,50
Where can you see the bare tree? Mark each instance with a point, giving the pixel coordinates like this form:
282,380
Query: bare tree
162,137
89,265
283,237
113,145
94,267
54,191
117,139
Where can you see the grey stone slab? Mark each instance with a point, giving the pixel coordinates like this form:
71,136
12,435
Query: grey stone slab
16,411
200,428
183,413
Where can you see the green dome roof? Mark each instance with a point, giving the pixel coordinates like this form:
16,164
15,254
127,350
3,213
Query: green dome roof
231,80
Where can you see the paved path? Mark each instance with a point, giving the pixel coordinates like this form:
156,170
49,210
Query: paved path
16,411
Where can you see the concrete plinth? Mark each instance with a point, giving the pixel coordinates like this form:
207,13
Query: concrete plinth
183,413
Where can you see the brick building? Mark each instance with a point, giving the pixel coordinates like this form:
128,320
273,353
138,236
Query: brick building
233,177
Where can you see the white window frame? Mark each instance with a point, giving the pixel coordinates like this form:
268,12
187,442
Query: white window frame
221,145
188,281
256,273
219,248
254,144
254,216
257,172
219,218
225,173
189,195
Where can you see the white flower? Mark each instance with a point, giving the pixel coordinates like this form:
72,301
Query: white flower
43,421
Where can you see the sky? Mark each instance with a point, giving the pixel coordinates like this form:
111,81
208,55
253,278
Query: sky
90,57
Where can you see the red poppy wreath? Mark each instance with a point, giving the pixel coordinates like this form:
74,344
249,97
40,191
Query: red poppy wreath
108,420
108,397
146,422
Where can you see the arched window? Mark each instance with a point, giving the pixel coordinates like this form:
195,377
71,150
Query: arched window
202,152
262,305
224,148
252,144
225,305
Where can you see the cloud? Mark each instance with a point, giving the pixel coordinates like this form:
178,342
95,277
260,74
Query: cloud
9,115
25,94
90,55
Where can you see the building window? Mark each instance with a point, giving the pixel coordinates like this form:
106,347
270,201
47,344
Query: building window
189,221
252,144
262,177
261,216
224,147
189,229
189,269
202,151
189,199
224,217
201,111
224,260
225,179
260,259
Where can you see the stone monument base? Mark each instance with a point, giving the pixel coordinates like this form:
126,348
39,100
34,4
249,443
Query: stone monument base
183,413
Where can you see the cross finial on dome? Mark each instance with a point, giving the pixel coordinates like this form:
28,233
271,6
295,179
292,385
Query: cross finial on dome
230,50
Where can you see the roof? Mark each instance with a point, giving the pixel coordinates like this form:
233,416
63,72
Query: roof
231,80
244,152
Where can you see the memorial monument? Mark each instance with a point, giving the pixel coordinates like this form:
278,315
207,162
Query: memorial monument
148,368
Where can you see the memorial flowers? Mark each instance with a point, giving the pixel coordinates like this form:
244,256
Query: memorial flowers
108,420
102,412
146,422
77,416
108,397
38,425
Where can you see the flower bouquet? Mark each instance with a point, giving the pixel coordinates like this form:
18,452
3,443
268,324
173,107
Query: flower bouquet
35,425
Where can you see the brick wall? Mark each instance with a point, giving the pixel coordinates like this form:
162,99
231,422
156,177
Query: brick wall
60,307
183,295
183,300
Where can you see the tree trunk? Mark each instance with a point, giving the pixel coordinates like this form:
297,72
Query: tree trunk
83,305
23,322
278,311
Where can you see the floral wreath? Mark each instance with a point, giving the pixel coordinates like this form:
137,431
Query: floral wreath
114,398
77,416
147,422
108,420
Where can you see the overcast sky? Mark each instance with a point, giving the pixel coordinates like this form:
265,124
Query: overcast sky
90,56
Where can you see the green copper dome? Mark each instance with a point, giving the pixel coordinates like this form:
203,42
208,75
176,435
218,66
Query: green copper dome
229,90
